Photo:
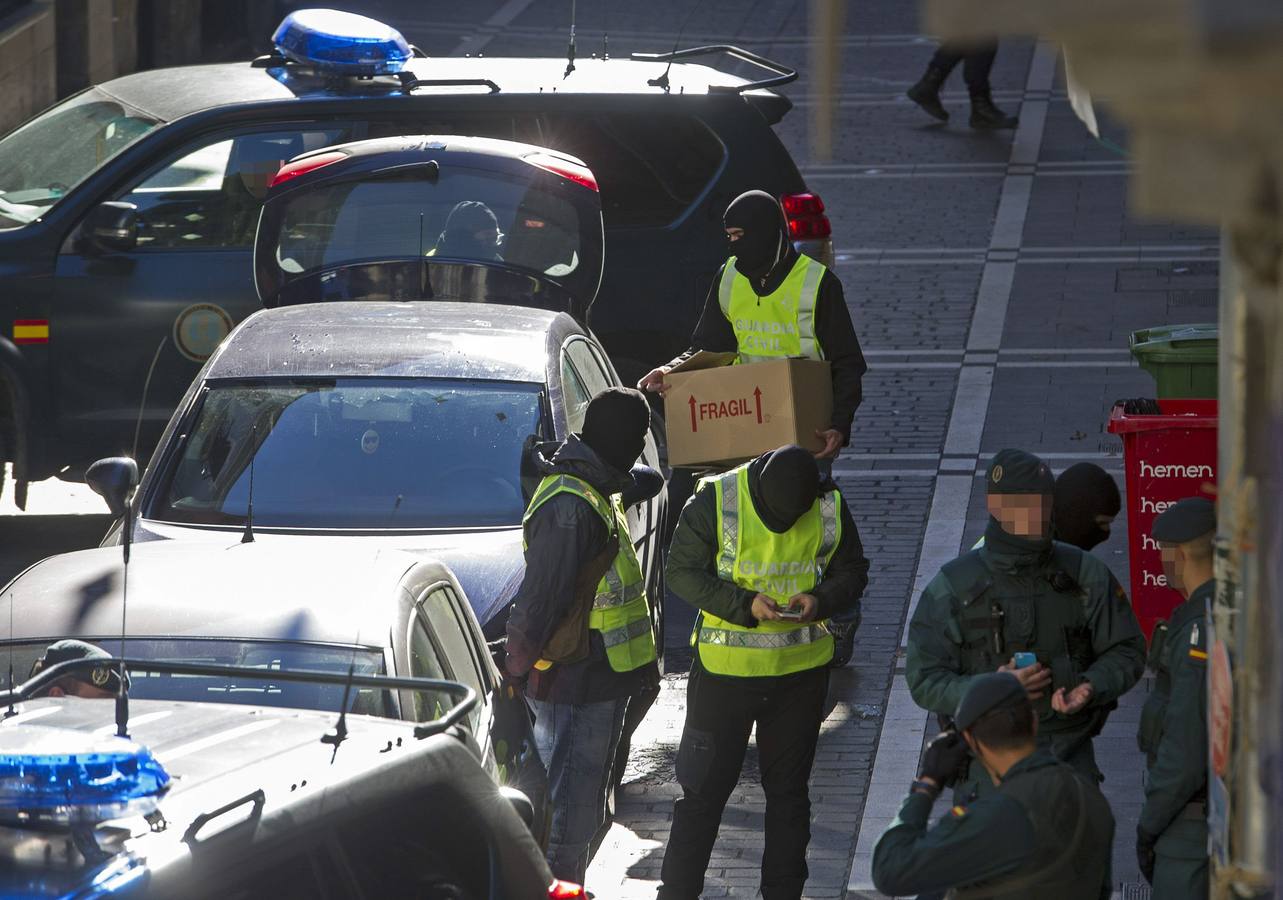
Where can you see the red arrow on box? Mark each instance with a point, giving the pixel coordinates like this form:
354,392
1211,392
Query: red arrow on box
694,423
757,394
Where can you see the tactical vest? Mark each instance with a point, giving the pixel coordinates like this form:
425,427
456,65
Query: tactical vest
777,565
620,612
779,325
1072,852
998,615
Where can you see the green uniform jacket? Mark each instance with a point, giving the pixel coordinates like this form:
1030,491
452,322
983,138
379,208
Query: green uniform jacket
1173,732
1085,631
691,571
1001,837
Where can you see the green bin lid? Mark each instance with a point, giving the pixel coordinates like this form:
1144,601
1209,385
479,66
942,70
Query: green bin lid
1175,343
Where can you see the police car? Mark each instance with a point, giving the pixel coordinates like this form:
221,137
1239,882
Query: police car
127,212
163,798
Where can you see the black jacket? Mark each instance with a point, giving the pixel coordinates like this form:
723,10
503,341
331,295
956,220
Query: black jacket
833,329
563,535
692,566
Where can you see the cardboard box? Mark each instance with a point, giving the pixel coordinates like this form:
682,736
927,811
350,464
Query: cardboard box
720,414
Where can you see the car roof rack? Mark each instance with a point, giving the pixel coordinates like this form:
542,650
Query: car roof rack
409,82
782,73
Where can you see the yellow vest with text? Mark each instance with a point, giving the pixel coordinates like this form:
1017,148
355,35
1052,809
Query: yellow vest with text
779,325
777,565
620,612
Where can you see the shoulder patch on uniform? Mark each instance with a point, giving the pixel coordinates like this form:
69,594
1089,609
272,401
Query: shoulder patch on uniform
958,812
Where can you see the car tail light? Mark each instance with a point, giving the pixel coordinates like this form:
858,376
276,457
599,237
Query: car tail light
805,214
305,165
565,890
576,172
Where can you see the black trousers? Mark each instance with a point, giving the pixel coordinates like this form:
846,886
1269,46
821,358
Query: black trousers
720,713
976,59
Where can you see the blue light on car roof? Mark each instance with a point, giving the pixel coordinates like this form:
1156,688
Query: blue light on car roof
342,43
58,776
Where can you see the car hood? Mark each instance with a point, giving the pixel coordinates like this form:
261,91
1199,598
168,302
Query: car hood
489,563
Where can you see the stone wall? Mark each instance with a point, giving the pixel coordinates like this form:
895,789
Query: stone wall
28,70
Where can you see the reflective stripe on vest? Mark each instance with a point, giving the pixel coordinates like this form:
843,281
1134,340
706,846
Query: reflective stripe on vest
779,325
793,564
620,611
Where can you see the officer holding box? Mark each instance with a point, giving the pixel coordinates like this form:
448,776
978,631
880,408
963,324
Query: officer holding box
770,302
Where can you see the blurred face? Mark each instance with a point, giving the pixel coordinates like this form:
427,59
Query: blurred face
71,687
734,234
1104,522
1024,515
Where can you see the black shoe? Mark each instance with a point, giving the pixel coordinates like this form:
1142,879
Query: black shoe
926,93
986,116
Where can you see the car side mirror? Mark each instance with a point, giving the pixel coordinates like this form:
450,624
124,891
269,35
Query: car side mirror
113,226
113,479
521,803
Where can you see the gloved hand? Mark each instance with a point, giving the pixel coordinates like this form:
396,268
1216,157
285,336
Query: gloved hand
945,758
1145,853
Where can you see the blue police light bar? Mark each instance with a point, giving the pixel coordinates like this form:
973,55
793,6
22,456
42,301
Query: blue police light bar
56,776
341,43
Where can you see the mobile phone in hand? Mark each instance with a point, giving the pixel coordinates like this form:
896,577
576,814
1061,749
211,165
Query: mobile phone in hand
1024,659
793,615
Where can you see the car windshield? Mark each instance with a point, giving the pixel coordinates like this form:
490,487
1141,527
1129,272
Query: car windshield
266,655
355,453
43,160
464,215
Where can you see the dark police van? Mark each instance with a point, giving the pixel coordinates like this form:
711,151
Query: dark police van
128,212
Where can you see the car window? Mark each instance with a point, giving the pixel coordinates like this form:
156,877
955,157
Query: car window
399,453
209,197
574,393
426,662
650,168
41,162
454,637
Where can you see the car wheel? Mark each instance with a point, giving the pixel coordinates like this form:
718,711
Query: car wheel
658,602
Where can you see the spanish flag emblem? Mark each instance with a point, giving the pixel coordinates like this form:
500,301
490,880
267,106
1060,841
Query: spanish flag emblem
31,331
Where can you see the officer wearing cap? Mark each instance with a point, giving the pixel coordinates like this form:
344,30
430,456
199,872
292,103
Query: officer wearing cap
1171,838
97,682
1049,613
1045,831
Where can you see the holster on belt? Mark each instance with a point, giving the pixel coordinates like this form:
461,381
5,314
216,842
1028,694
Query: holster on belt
569,642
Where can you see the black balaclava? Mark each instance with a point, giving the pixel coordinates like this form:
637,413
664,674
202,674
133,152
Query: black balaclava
785,484
459,239
615,426
1083,491
766,233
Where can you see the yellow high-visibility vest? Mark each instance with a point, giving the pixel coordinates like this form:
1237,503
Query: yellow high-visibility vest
620,611
779,325
777,565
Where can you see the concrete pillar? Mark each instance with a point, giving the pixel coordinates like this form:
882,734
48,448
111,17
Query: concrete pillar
169,33
86,44
28,63
827,17
125,33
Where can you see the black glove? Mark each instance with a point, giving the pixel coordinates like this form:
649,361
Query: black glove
1145,853
946,758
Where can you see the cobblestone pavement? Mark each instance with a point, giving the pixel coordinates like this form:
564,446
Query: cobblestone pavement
994,279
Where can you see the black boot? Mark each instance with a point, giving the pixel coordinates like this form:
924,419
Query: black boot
926,93
984,115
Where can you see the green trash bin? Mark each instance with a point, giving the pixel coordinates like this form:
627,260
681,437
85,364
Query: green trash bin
1182,358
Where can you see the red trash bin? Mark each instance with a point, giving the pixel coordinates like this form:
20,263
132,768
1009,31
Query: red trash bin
1168,457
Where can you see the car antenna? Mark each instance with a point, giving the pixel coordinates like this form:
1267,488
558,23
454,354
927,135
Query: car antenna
570,50
605,40
662,80
248,536
339,734
122,690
